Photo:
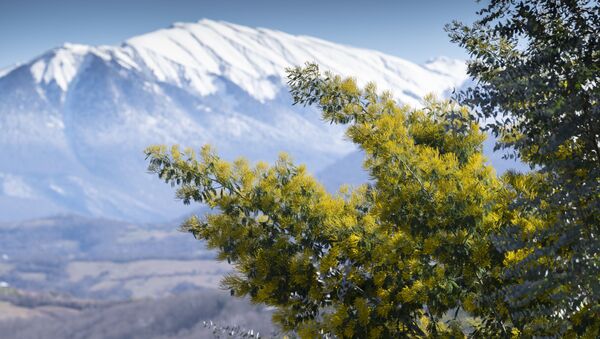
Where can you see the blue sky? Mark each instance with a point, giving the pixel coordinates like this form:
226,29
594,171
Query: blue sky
409,29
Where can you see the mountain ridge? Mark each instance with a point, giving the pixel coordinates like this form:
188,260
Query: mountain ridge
181,36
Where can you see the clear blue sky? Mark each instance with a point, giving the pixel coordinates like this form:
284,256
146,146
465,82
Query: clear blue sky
410,29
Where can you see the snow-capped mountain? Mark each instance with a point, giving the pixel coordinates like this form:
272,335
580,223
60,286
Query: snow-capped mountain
75,120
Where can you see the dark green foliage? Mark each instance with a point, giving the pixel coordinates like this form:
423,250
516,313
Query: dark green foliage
537,71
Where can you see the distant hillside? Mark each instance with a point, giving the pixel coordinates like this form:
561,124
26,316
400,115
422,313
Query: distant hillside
28,316
104,259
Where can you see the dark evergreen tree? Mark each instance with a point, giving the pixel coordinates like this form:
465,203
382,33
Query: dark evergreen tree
537,71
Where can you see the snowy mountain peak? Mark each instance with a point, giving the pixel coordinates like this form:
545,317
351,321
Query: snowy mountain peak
60,66
195,55
198,52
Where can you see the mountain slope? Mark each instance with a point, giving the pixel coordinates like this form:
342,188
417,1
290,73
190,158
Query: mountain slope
76,119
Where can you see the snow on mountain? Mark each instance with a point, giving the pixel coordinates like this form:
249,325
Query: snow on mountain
76,119
6,70
197,53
